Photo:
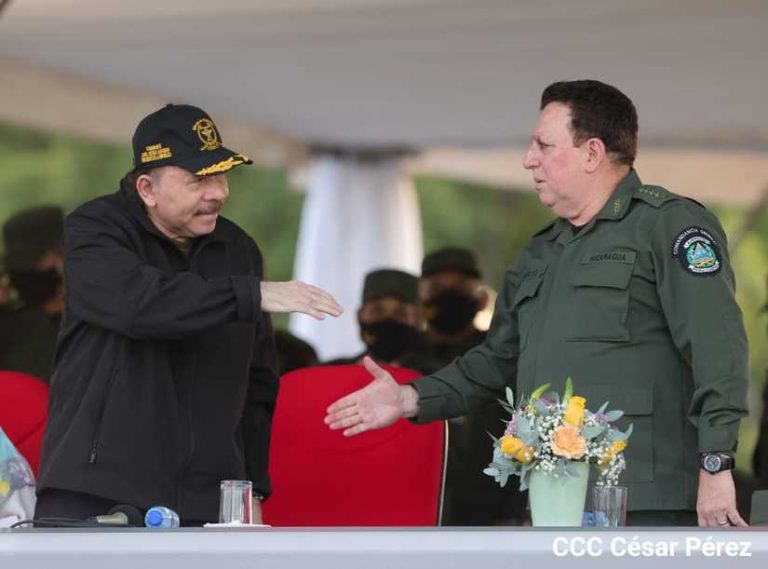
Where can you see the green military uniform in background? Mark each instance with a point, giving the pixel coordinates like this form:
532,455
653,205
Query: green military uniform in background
638,308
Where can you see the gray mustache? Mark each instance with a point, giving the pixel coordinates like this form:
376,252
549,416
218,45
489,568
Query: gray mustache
210,209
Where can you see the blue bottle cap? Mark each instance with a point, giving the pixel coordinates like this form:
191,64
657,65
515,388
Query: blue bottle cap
153,518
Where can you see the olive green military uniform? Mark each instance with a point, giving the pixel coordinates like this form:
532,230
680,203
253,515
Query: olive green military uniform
638,308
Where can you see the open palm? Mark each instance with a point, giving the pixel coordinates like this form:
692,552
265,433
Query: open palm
377,405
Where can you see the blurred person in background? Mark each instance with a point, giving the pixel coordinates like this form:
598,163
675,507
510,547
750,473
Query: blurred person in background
293,353
452,294
391,323
31,316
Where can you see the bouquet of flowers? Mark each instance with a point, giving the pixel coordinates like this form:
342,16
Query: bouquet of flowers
548,435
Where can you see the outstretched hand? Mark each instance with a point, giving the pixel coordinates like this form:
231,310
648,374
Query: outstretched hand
296,296
379,404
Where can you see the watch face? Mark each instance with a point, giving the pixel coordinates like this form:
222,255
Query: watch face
712,463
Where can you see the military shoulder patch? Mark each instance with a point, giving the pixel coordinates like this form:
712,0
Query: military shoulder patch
697,251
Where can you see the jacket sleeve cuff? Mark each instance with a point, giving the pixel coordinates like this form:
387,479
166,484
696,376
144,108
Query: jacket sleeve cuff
248,297
431,400
719,439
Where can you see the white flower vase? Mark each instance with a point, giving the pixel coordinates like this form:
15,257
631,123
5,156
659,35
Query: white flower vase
558,502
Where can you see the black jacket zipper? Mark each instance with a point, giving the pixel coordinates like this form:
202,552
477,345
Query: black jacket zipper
100,421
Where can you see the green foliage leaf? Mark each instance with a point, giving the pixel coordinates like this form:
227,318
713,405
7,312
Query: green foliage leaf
539,391
612,416
592,431
568,390
510,397
505,406
524,479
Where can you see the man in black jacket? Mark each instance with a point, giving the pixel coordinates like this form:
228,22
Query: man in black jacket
165,381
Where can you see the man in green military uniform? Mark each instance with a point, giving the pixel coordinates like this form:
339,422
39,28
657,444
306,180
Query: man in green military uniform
629,292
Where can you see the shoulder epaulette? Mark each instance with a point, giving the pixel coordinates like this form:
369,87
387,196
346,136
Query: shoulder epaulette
655,195
698,203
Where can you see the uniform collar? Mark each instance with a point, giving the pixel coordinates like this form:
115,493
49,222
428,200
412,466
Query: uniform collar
615,208
553,230
618,204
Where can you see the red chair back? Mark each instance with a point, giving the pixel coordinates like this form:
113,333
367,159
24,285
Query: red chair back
388,477
24,413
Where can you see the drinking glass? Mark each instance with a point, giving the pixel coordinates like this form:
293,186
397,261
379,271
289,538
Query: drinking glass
235,502
609,504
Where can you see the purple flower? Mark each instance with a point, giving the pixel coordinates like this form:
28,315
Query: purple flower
547,402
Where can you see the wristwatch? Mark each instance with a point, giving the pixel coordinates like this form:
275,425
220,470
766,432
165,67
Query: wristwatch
714,462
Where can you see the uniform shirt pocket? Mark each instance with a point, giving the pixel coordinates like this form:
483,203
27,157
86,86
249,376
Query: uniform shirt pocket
601,297
525,302
637,404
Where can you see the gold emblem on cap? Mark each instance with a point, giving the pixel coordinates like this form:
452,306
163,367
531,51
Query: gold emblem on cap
223,166
206,131
155,152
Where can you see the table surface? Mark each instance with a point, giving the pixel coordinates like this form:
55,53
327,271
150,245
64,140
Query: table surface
373,548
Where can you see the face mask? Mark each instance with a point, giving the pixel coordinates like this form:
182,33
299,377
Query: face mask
36,287
451,311
388,339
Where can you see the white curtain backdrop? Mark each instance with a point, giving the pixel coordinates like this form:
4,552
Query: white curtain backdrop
358,216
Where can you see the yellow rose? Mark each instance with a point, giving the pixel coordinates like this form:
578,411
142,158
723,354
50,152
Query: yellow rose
574,413
516,448
524,455
510,445
567,442
618,446
613,450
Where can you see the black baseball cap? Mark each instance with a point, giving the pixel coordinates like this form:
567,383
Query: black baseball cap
183,136
391,282
450,259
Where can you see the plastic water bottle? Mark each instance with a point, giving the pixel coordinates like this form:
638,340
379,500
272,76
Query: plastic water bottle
161,517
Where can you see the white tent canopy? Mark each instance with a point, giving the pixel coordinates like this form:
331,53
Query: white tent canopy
456,74
419,72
